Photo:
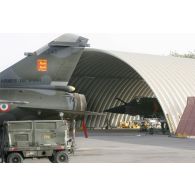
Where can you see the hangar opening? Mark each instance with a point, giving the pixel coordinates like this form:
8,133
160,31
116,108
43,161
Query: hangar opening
104,78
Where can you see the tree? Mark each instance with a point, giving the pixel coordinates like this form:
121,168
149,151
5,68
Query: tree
187,55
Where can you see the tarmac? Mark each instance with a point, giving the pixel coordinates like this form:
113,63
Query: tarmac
123,146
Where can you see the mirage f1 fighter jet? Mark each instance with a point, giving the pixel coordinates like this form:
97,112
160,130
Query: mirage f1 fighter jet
146,107
37,86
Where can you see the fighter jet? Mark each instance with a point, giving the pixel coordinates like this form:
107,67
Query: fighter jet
146,107
37,86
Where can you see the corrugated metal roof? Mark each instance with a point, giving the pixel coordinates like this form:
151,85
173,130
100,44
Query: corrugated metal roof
172,80
103,75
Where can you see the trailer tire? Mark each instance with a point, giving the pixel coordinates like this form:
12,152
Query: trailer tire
14,157
61,157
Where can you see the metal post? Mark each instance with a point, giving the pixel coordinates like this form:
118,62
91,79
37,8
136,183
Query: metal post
73,132
2,129
66,133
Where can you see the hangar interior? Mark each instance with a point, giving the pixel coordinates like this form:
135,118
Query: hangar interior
102,78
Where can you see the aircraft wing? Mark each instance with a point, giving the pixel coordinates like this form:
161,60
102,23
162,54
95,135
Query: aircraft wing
126,109
54,62
13,102
118,109
91,113
52,111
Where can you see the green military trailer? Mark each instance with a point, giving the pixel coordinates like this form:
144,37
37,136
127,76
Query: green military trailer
36,139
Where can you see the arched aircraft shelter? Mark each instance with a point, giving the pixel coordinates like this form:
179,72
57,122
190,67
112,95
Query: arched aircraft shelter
104,75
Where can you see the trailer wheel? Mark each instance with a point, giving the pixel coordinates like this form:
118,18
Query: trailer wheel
51,159
14,158
61,157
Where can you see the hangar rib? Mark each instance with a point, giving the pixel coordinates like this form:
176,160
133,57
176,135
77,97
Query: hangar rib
104,75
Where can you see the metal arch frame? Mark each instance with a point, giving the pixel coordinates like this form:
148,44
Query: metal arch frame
99,98
174,103
165,77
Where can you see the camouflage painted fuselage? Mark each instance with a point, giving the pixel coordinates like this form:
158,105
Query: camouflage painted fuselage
41,81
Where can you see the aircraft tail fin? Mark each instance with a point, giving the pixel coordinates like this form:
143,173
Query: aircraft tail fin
54,62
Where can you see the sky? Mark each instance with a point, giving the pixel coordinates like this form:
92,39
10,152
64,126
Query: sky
13,45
